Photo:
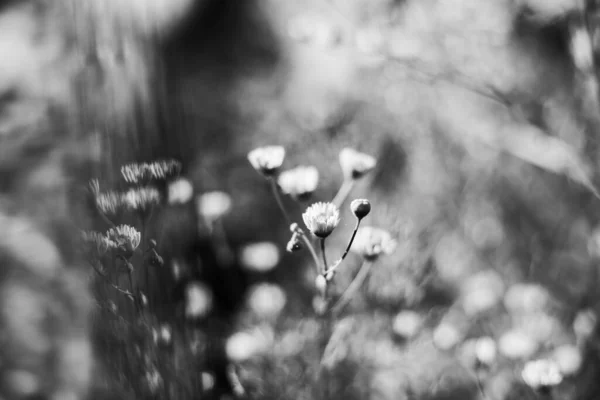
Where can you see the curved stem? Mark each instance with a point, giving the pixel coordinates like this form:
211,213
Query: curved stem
117,288
343,193
279,201
338,262
310,248
353,287
324,254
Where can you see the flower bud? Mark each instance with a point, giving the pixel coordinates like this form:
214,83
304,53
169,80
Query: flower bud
360,208
294,243
321,285
294,227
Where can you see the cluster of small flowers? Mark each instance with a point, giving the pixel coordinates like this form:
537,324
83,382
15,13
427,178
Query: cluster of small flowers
157,170
122,237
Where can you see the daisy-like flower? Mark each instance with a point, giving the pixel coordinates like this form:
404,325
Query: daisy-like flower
267,160
360,208
371,242
94,186
300,182
321,218
141,199
213,205
126,237
355,164
109,203
101,242
142,172
541,374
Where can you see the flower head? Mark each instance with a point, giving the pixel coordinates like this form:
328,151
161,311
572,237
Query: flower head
141,199
299,182
355,164
371,242
213,205
143,172
109,203
101,242
294,243
321,218
267,160
180,191
360,208
126,237
540,374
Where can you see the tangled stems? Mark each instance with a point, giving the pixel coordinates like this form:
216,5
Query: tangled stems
353,287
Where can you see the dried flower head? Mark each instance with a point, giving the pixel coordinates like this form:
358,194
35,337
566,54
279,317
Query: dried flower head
371,242
299,182
213,205
141,199
321,218
109,203
101,242
360,208
126,237
355,164
144,172
540,374
267,160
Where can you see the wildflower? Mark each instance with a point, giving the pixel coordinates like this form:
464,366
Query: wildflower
108,202
261,256
294,244
371,242
126,238
360,208
141,199
102,243
267,300
485,351
516,344
141,172
355,164
213,205
164,169
541,374
321,285
321,218
568,358
407,324
300,182
180,191
94,186
198,300
267,160
242,346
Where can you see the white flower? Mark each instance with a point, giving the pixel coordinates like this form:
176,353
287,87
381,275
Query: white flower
299,182
371,242
516,344
355,164
407,324
109,202
260,256
198,300
180,191
486,350
267,160
126,236
541,374
143,172
321,218
141,199
267,300
242,346
213,205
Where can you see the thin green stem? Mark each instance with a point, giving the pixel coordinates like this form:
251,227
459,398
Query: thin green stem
343,193
324,254
114,286
353,287
338,262
277,196
310,248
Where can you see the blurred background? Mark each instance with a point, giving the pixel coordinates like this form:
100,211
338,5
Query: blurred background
483,118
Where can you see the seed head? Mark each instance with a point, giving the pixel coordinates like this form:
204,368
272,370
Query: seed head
360,208
371,242
321,218
355,164
267,160
300,182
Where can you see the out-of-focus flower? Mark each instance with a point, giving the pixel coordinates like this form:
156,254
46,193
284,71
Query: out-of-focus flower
371,242
526,298
321,285
515,344
260,256
208,381
213,205
141,199
126,237
109,202
485,350
299,182
446,336
540,374
355,164
360,208
321,218
407,324
568,358
319,305
584,324
242,346
143,172
198,300
181,191
94,186
294,243
267,300
314,30
267,160
101,242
